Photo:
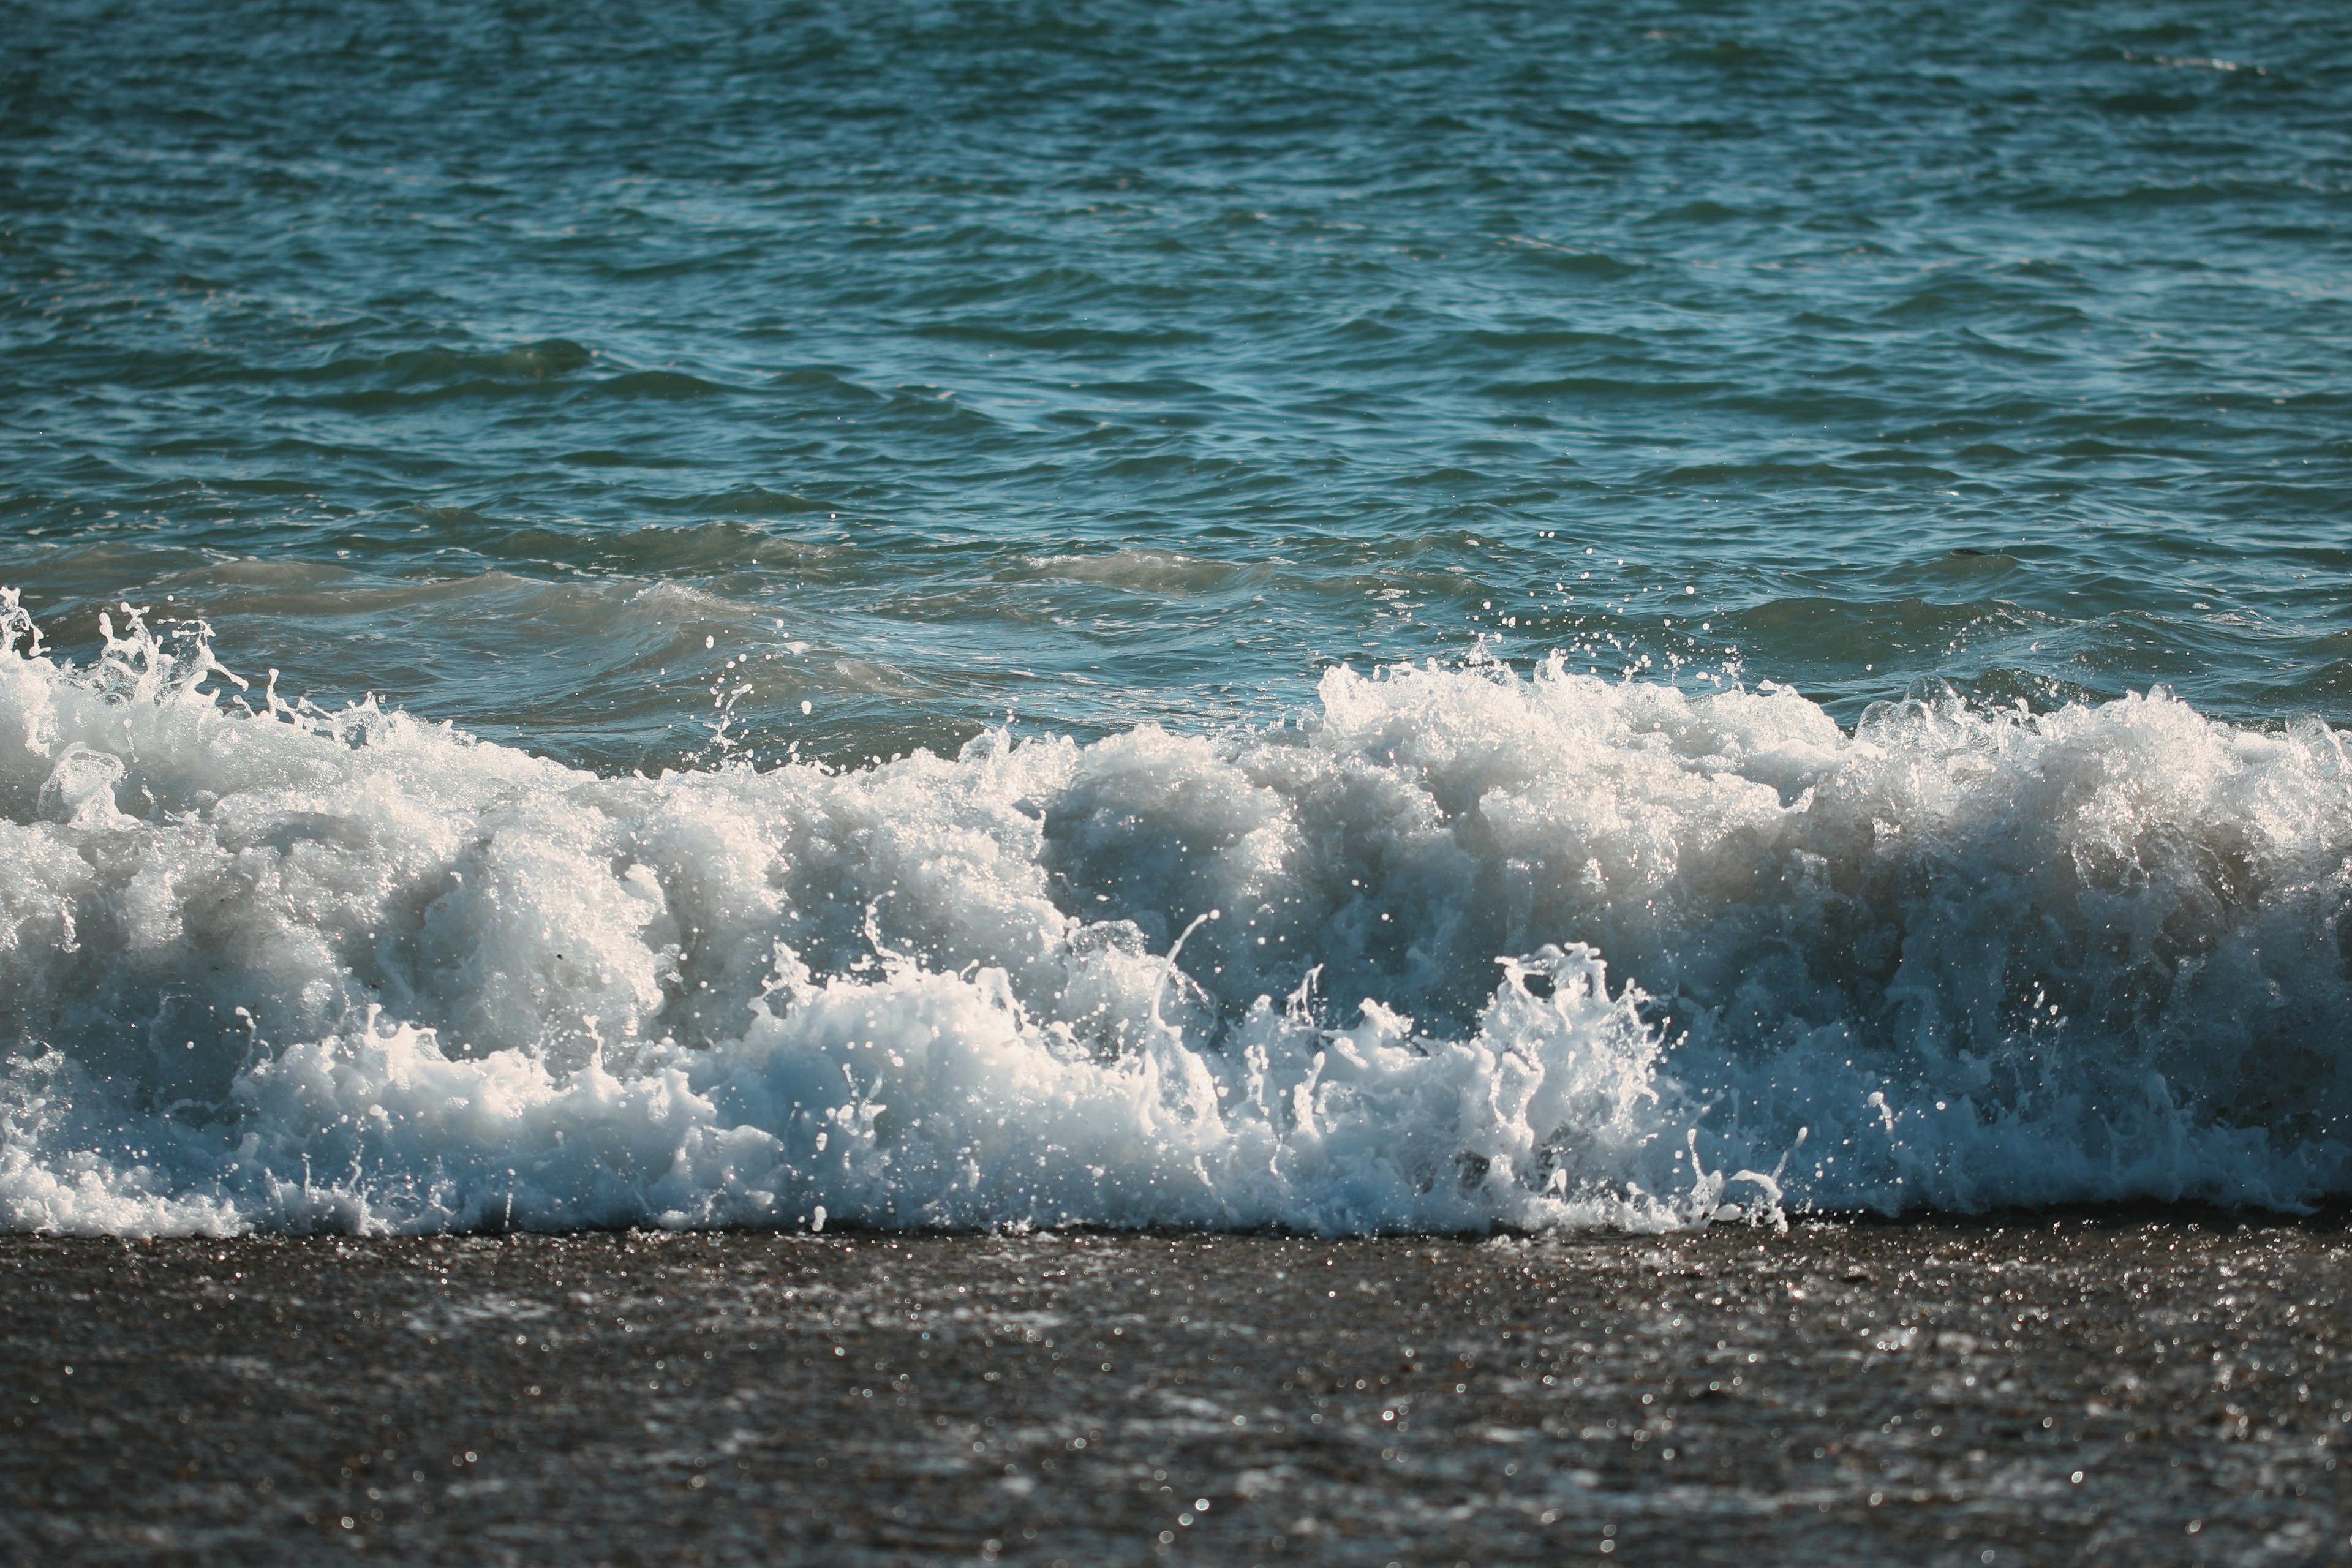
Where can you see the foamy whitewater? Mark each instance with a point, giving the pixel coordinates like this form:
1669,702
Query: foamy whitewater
1470,948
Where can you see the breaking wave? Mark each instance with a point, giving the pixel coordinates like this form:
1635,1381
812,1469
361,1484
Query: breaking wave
1468,948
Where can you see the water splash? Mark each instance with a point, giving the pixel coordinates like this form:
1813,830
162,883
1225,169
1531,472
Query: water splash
265,964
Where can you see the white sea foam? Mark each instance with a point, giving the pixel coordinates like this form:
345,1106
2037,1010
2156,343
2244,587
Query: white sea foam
1468,949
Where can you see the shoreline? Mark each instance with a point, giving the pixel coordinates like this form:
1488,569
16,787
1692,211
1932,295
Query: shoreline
1843,1392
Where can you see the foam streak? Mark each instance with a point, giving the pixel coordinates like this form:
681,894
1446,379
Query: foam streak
264,965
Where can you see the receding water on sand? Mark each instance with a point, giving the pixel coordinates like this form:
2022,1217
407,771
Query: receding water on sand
2152,1388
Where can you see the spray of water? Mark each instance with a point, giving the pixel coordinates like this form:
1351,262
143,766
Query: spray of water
1474,948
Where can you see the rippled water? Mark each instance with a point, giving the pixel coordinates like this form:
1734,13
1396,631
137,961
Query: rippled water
679,387
1093,361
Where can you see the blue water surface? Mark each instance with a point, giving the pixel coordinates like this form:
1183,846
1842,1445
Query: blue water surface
527,363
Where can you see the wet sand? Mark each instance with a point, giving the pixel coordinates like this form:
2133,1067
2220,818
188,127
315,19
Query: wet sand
2150,1388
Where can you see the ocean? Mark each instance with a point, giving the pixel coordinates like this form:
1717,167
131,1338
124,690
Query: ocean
1338,619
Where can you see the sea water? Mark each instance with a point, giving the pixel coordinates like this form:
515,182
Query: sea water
1353,617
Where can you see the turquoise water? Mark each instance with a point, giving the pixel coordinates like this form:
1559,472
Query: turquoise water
1093,362
1867,401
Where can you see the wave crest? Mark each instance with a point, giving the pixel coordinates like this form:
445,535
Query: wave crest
263,965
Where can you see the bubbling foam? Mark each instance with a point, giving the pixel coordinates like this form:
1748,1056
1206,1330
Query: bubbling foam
264,966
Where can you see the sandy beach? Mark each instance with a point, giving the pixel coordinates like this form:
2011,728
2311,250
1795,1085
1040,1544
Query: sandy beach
2166,1386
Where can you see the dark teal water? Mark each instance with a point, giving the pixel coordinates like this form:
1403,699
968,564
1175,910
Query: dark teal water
1101,361
1773,450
